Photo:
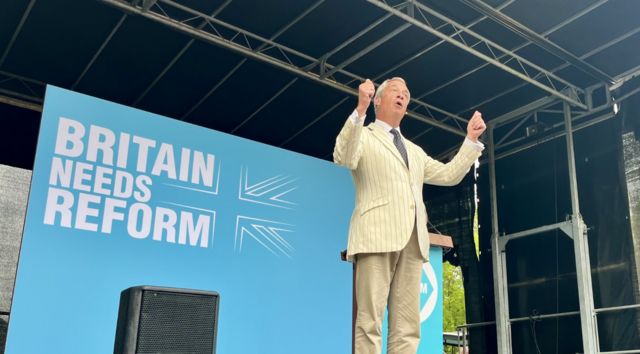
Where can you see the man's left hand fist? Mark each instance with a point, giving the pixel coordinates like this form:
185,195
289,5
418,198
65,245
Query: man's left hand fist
476,127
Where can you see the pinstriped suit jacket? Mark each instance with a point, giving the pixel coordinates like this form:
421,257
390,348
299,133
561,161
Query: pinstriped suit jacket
388,194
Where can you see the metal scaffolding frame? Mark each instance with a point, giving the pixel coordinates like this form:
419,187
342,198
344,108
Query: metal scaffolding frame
520,47
463,330
99,51
537,39
184,49
587,55
210,29
29,98
24,17
244,60
574,228
548,32
488,51
208,24
405,61
549,100
256,47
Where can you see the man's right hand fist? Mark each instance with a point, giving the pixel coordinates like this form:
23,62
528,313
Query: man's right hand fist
366,90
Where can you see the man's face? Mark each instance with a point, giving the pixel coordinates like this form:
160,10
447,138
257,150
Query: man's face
394,100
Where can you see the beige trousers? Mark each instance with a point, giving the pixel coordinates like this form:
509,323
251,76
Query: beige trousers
389,280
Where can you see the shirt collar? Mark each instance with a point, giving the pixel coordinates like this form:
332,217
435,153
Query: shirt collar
385,126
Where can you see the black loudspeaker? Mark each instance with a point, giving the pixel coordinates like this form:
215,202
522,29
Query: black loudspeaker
166,320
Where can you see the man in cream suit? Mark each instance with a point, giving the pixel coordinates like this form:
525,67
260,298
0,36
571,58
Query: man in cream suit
388,237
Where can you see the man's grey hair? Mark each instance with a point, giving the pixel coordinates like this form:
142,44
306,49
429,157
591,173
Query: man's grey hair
382,87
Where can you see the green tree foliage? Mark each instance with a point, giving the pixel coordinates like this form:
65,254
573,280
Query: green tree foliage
453,297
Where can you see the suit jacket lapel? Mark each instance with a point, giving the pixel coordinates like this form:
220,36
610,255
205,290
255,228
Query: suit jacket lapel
382,136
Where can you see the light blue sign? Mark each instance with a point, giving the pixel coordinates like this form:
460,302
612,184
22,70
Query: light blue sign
122,197
431,314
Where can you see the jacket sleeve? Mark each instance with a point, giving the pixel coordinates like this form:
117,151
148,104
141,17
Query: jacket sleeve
348,148
451,173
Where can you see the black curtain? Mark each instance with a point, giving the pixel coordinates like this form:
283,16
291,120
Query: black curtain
451,211
533,190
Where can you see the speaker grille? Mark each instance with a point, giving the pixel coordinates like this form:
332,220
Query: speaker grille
176,323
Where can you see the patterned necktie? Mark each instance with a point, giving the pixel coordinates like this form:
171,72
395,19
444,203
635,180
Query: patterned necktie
397,141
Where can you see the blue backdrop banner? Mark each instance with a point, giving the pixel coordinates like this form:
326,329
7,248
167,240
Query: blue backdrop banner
122,197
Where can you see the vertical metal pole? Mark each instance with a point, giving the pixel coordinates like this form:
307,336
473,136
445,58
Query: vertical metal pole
573,182
595,323
500,286
581,248
465,345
